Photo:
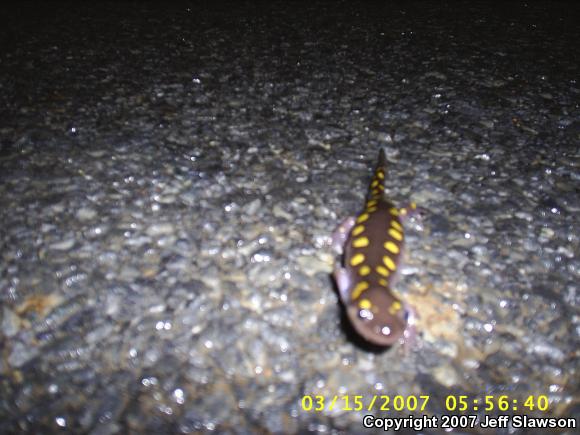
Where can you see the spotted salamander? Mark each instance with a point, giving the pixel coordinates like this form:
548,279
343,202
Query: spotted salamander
371,245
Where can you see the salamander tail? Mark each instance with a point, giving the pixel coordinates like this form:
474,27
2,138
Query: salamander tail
377,184
382,164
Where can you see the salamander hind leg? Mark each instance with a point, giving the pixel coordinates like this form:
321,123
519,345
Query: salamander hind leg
412,210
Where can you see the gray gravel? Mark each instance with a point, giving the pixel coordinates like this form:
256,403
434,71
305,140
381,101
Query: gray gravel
170,178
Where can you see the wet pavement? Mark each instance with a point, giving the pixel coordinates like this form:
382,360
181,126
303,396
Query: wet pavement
170,177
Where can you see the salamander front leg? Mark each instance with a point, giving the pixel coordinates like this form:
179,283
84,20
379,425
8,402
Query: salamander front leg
410,335
343,282
341,233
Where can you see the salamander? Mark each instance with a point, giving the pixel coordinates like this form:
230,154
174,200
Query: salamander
371,245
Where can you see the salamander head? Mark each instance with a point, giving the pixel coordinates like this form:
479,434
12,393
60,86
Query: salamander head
378,316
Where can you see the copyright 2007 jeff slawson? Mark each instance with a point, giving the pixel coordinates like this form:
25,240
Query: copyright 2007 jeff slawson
467,422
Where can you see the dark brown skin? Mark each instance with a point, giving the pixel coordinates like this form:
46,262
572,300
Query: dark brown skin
384,322
372,246
373,330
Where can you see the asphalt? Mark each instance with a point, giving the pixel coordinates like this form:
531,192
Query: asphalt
170,177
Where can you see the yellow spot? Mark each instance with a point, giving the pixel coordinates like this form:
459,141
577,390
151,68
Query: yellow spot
413,205
363,217
380,174
381,187
357,230
361,242
371,209
365,304
403,211
395,234
375,183
381,270
357,259
396,225
364,270
389,263
395,307
371,203
391,247
376,192
383,282
394,211
360,287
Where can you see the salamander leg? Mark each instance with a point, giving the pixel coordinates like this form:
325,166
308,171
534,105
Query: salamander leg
343,282
410,334
341,233
412,211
